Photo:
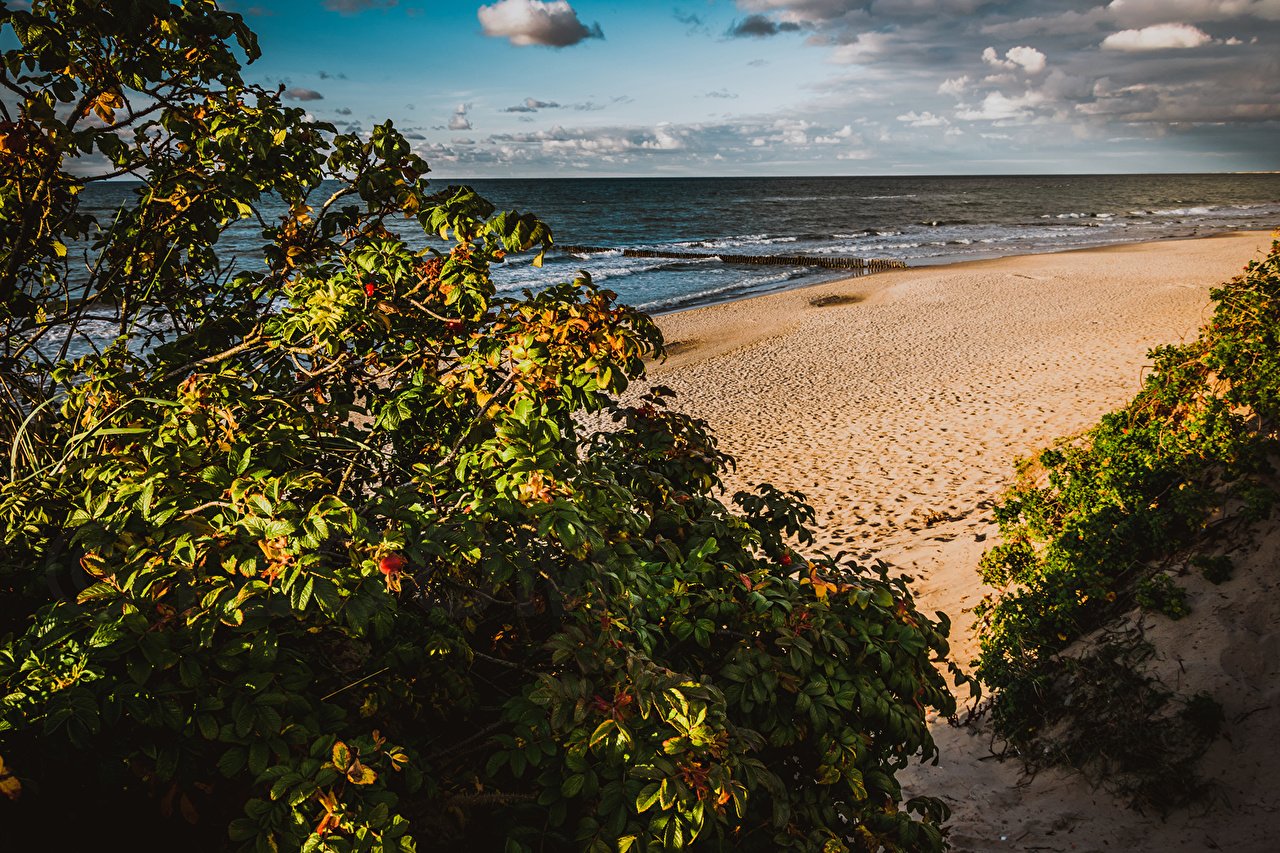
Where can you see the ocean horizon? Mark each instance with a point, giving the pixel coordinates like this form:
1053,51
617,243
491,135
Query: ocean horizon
918,220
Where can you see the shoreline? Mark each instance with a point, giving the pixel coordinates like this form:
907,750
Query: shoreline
898,404
681,349
926,264
929,264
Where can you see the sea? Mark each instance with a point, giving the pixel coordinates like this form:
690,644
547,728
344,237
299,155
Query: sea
917,220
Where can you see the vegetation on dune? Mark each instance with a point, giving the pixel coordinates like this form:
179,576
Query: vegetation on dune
1089,530
319,552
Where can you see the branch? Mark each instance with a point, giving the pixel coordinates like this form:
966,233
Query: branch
457,445
249,343
464,801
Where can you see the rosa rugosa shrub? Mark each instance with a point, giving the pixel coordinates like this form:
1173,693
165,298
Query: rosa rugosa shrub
1089,530
316,550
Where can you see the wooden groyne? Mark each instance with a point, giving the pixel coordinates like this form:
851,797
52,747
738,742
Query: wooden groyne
865,264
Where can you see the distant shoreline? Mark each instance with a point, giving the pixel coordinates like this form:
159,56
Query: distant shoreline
946,264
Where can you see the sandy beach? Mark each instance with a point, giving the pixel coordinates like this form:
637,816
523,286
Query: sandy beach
898,403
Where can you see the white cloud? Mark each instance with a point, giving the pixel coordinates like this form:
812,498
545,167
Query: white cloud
843,136
924,119
1157,37
1000,107
1139,13
954,86
533,22
866,46
459,120
1027,58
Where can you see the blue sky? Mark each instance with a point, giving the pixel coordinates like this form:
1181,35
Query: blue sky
776,87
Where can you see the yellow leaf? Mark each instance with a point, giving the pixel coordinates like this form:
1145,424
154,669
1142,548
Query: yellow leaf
9,785
358,774
341,755
329,800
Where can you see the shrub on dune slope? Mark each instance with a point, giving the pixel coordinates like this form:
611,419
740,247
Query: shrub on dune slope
1085,526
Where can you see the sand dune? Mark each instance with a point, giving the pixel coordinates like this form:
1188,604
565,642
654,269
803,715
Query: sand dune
898,402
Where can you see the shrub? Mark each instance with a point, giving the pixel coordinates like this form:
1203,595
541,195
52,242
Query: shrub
1161,594
320,553
1216,570
1081,540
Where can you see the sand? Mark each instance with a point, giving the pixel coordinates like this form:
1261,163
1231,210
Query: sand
898,403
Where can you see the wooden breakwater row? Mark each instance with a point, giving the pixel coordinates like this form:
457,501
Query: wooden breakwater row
865,264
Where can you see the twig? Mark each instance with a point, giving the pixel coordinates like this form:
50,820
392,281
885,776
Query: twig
478,800
248,344
499,661
354,684
457,445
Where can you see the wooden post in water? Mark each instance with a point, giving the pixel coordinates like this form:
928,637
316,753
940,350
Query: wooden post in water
865,264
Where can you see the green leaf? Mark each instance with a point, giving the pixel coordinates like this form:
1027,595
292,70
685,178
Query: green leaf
572,785
647,797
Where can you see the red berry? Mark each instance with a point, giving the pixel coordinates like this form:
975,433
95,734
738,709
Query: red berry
392,564
454,325
785,560
370,288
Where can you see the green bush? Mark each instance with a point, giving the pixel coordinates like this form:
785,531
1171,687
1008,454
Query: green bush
1216,570
320,553
1161,594
1085,523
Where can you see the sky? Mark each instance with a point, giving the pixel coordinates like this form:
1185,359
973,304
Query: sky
523,88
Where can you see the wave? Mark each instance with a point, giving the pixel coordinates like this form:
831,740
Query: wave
1075,215
587,256
1184,211
743,287
868,232
735,242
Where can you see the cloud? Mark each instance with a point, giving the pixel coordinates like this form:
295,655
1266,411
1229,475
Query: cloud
759,26
343,111
532,105
695,23
721,93
1157,37
1140,13
844,135
997,106
924,119
533,22
664,145
864,48
913,70
355,7
1027,58
459,120
297,93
